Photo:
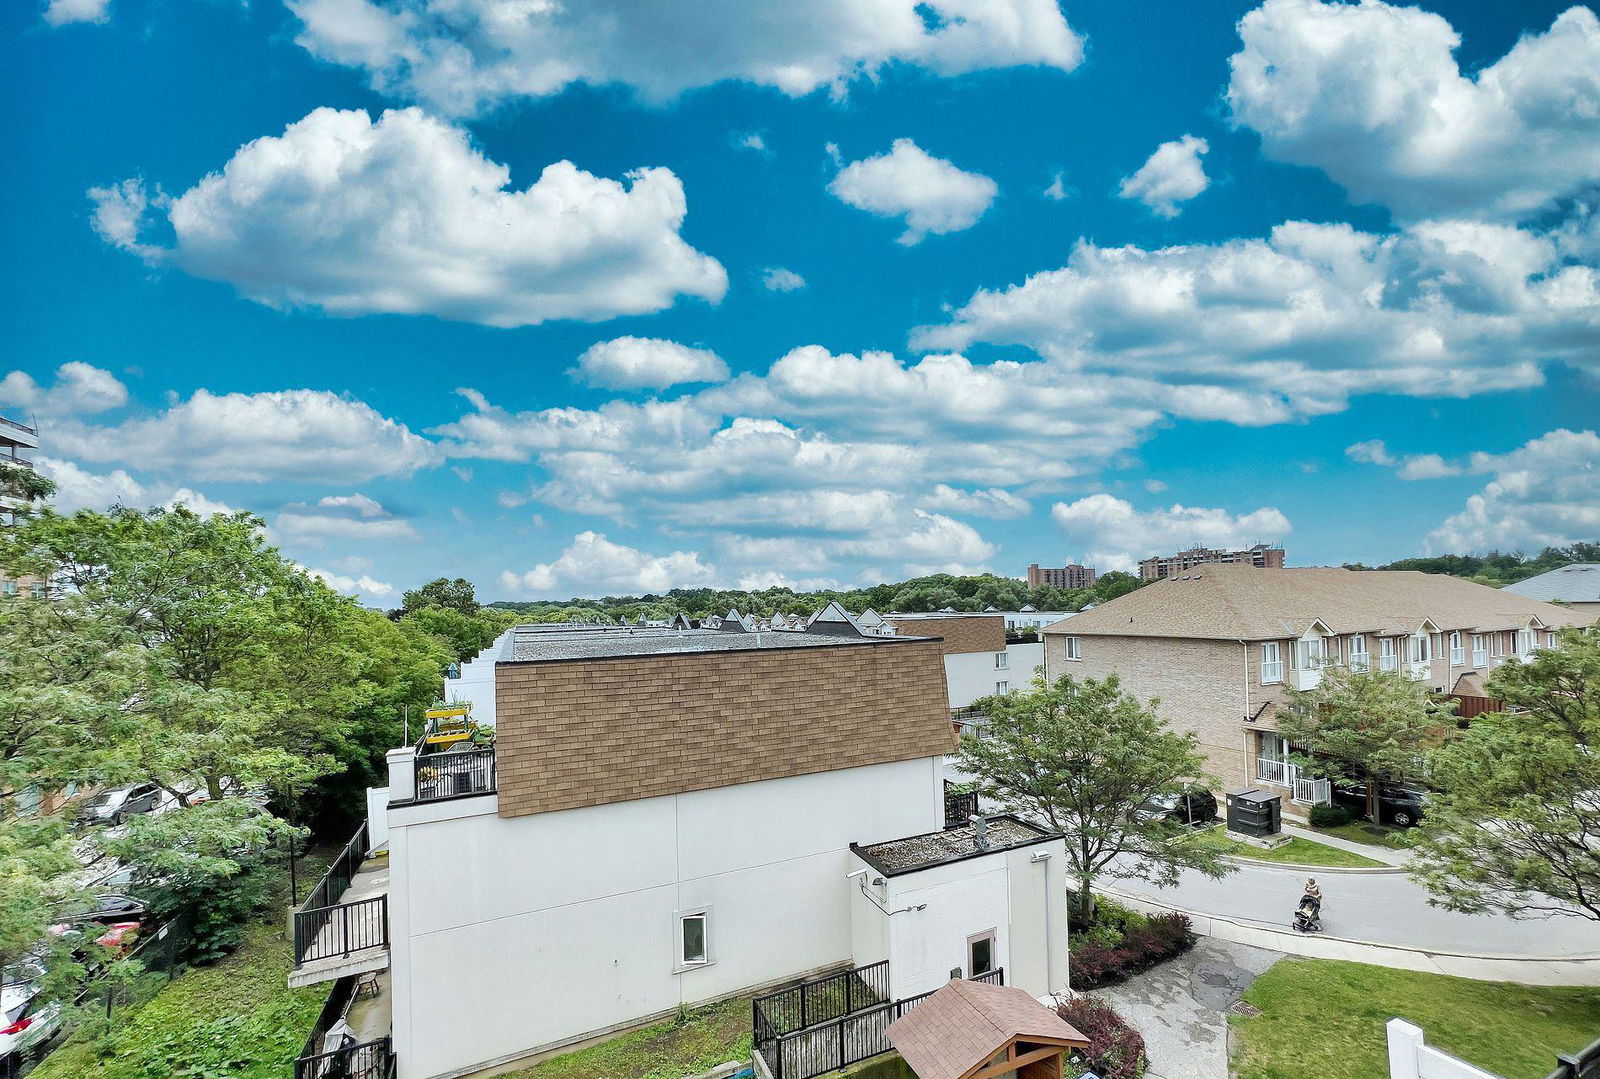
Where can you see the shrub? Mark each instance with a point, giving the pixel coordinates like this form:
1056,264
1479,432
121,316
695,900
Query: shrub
1116,1050
1103,956
1329,816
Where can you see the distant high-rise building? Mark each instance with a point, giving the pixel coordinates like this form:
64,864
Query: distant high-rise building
14,436
1070,576
1261,556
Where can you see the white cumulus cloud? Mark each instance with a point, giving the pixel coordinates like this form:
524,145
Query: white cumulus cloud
340,517
62,12
1372,95
986,502
1173,175
463,56
404,216
361,585
1411,466
632,363
593,565
932,194
778,279
1541,494
77,388
1116,535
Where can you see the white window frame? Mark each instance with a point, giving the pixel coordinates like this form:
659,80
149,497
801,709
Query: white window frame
1420,650
681,962
1480,653
9,587
1360,658
1304,657
1002,688
1388,654
994,951
1458,655
1271,657
1074,649
1002,661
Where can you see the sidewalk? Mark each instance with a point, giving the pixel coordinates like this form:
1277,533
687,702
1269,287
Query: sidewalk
1400,858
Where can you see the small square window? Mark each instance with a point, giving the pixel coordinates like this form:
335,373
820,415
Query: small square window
980,954
694,939
1074,648
1001,661
1002,687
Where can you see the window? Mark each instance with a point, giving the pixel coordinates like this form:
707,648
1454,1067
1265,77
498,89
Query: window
1386,656
1001,661
1360,658
980,954
36,590
1271,662
1496,645
694,938
1308,654
1421,648
1074,648
9,587
1458,655
1549,640
1002,687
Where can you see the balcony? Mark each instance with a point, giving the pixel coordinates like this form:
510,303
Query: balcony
343,926
1306,678
1303,789
454,774
351,1038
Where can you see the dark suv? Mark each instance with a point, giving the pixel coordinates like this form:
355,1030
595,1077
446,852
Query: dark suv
1192,805
1400,806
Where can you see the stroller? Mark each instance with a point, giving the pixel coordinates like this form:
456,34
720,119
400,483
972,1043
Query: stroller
1308,916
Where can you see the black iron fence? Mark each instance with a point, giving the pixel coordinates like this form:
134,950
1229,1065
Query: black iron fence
341,871
368,1060
818,1000
452,775
1585,1064
958,808
841,1041
326,932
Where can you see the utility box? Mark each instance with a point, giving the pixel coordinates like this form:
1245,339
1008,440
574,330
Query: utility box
1255,813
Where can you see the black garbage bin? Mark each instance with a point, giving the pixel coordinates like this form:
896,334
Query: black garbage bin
1255,812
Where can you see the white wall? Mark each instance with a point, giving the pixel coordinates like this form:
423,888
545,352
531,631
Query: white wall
970,675
476,683
515,934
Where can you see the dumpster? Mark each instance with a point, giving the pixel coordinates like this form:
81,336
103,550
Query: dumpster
1255,812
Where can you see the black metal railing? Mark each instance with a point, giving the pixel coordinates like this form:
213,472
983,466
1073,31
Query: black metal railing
817,1000
958,808
841,1041
368,1060
1585,1064
339,930
452,775
341,871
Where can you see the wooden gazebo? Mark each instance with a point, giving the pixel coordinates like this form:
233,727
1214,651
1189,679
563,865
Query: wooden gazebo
973,1030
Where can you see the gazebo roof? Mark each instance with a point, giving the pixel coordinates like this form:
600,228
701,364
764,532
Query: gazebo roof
959,1029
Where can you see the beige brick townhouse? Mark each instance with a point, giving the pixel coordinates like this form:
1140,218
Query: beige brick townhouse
1221,645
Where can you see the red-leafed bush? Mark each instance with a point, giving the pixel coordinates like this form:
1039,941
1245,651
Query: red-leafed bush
1116,1050
1109,953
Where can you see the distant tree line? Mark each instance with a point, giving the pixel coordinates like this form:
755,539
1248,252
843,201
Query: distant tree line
1497,568
917,595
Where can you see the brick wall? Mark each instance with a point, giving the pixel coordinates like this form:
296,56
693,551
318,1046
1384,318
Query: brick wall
590,732
961,633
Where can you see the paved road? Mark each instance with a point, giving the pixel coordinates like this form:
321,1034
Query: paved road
1383,908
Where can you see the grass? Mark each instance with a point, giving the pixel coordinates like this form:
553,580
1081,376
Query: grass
1326,1018
1378,835
236,1018
1296,851
697,1042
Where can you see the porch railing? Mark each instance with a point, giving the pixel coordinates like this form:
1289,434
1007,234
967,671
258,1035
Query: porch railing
1312,792
368,1060
452,775
1271,771
325,927
842,1041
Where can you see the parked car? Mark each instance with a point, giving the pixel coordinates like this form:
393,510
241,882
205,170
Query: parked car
110,907
1400,806
27,1022
1191,806
117,805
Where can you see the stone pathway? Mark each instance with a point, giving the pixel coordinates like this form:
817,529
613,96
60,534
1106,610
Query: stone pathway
1181,1006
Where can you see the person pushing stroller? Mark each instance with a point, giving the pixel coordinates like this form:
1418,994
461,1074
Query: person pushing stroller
1308,915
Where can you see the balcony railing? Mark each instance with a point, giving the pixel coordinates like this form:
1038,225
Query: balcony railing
454,775
1271,771
368,1060
14,425
1312,792
325,928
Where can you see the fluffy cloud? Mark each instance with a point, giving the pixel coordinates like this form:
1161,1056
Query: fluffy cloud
79,489
1171,176
462,56
1115,535
632,363
362,585
777,279
340,517
62,12
990,502
404,216
1413,466
1372,95
1544,493
1260,331
929,192
285,434
1058,190
593,565
78,388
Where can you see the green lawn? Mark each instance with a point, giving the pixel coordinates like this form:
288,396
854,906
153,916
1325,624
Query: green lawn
667,1050
1296,852
1326,1019
236,1018
1377,835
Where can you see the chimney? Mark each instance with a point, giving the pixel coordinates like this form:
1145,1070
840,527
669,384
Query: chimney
980,831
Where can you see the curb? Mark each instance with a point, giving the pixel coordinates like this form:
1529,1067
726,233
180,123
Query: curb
1289,934
1313,870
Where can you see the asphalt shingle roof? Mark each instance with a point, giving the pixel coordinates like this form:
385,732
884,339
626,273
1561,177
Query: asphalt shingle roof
1578,583
962,1025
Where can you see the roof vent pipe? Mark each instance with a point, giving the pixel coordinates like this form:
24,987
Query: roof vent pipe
980,831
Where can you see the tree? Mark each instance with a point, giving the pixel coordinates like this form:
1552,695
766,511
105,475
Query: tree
1366,726
1083,757
465,634
457,595
1513,824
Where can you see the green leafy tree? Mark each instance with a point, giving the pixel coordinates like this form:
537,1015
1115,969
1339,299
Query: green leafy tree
1366,726
456,595
465,634
1083,756
1513,824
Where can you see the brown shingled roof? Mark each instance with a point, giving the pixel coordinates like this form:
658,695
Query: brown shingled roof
957,1030
1240,602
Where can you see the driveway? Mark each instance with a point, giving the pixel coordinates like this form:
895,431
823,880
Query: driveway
1380,908
1181,1007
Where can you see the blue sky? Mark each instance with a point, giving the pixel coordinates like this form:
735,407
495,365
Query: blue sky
1089,281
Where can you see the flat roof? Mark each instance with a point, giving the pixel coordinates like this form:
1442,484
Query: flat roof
894,857
540,644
